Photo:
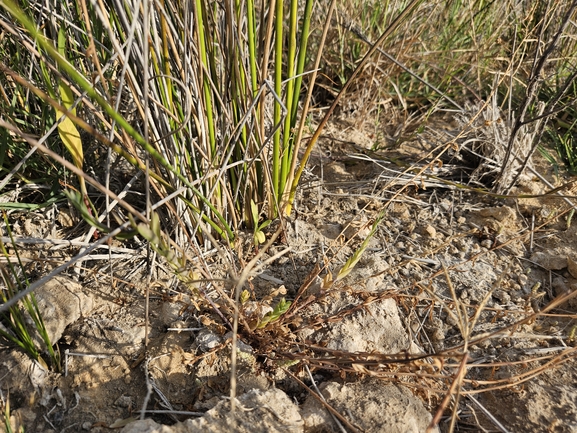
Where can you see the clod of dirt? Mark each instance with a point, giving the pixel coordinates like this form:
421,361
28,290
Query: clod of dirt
170,314
546,404
572,267
377,327
256,412
500,213
561,287
371,405
61,302
368,274
357,227
19,371
549,260
542,409
336,172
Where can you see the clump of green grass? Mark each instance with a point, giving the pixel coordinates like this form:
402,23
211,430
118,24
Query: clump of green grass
13,323
565,144
199,99
214,90
448,54
561,133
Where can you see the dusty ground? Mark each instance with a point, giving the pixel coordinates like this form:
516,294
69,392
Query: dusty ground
446,266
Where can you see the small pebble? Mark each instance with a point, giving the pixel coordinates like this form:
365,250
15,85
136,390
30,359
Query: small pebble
430,230
207,340
123,401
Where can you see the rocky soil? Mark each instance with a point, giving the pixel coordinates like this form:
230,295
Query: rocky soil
447,272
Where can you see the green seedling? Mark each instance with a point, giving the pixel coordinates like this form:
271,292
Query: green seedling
258,236
570,218
280,308
244,296
354,259
571,335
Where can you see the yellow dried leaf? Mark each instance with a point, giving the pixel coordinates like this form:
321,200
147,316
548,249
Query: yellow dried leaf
327,281
69,133
360,368
71,138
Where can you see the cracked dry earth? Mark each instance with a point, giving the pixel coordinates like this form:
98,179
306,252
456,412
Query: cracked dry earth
438,251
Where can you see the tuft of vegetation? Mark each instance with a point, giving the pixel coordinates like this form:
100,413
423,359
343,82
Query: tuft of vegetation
14,326
8,423
182,123
449,54
200,97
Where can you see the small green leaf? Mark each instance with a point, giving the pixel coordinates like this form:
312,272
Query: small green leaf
281,308
263,322
172,259
354,259
254,211
145,231
67,130
62,41
47,80
77,201
265,224
244,296
155,224
71,138
259,238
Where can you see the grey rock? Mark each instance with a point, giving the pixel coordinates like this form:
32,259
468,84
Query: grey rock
377,328
61,301
572,267
257,412
170,312
372,405
149,426
550,261
207,340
